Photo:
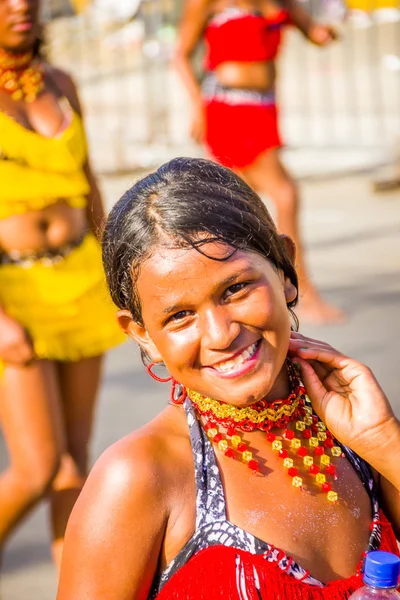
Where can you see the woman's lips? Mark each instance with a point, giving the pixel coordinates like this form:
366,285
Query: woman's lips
240,369
22,27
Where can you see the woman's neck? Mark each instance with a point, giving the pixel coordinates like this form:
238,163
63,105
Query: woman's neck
24,49
20,75
281,387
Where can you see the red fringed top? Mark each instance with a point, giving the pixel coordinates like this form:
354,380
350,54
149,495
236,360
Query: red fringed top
242,36
226,573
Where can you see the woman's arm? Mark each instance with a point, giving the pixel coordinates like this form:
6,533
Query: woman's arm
115,532
299,16
347,397
195,15
194,18
95,208
387,463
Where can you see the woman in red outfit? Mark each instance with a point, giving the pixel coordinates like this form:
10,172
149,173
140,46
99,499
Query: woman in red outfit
234,110
248,486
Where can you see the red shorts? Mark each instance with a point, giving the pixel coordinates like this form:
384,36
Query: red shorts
237,134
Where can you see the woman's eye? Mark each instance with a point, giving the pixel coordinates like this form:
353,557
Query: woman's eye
236,287
179,315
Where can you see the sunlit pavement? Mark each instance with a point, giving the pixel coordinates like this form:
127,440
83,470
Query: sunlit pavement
353,242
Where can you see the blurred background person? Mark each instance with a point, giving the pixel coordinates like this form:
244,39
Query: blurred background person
235,111
56,320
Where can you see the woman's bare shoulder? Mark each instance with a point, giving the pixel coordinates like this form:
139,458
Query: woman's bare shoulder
147,454
65,83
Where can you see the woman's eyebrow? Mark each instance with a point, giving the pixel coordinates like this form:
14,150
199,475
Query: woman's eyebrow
171,309
224,282
232,278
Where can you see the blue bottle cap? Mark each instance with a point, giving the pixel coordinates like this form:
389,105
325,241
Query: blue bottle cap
381,569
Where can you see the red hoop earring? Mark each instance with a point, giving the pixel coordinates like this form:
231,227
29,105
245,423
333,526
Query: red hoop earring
156,377
178,393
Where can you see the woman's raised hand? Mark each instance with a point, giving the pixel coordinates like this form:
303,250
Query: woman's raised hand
346,396
321,35
15,345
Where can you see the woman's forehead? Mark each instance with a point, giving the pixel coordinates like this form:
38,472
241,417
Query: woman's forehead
214,258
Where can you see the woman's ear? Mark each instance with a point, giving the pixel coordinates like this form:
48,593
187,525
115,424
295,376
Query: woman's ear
290,291
139,333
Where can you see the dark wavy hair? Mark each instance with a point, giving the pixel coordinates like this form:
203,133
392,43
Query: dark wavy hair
187,202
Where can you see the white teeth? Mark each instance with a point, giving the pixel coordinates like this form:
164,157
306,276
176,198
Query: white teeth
233,363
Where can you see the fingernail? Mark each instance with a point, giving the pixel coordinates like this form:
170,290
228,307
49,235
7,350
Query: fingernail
304,348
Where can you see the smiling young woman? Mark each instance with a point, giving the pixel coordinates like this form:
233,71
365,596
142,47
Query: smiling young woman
251,483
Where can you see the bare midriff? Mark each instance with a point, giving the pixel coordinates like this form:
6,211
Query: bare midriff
42,230
255,75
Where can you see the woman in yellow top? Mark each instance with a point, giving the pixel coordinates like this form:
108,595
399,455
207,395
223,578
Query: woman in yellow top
56,320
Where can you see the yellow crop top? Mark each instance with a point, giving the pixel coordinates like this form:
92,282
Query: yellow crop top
36,171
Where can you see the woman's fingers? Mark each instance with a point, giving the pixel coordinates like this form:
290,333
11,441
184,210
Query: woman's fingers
295,335
335,370
327,356
314,349
323,371
296,344
305,342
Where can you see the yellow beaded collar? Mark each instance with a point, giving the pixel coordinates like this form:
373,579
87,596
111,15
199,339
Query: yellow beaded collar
262,414
272,412
20,75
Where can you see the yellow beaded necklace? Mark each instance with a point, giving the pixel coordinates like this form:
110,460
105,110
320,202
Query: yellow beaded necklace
262,415
20,75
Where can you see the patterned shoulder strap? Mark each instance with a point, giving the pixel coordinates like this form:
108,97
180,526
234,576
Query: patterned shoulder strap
364,472
210,497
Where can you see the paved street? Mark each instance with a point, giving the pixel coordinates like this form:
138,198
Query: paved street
353,238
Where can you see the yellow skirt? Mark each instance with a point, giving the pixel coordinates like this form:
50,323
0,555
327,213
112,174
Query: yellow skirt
65,307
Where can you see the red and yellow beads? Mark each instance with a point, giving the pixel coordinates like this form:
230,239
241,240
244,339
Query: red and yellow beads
236,444
309,452
306,445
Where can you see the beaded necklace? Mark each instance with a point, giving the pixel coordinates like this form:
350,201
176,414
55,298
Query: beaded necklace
306,443
20,75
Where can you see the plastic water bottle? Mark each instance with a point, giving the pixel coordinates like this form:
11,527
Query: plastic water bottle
381,577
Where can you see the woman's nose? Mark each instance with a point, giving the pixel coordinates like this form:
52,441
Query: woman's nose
219,329
21,5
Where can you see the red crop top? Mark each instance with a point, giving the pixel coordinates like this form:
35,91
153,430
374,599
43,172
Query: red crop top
243,36
222,573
